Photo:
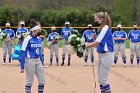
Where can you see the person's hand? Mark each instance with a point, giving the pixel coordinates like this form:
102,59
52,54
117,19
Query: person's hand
22,71
94,36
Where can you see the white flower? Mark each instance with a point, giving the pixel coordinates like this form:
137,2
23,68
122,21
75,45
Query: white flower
82,40
78,39
71,36
80,49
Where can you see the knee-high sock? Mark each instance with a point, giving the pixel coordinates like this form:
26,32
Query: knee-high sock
51,58
69,58
63,58
57,59
40,88
27,89
105,88
9,58
124,60
86,58
115,60
4,59
131,59
138,59
92,59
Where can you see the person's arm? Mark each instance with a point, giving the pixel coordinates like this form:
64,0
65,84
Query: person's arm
23,53
93,44
124,37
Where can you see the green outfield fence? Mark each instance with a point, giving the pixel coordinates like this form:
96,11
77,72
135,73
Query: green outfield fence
81,29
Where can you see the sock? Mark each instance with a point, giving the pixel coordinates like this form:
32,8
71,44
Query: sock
131,59
57,60
105,89
40,88
27,89
86,58
137,60
92,59
9,59
69,58
4,59
115,60
43,59
51,58
63,58
124,60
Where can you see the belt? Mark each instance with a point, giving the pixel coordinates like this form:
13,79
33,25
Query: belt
104,52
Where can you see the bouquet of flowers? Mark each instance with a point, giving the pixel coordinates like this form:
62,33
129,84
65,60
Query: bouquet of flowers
23,35
77,42
3,35
44,32
56,37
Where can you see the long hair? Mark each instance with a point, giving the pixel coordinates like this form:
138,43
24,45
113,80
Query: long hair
106,19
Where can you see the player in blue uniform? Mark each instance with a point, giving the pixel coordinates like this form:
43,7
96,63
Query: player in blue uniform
119,37
134,36
30,58
20,30
65,33
54,46
105,48
8,43
89,36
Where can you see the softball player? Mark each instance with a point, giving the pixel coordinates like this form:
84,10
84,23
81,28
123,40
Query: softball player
30,56
88,35
104,43
20,30
119,37
54,47
65,32
134,36
8,42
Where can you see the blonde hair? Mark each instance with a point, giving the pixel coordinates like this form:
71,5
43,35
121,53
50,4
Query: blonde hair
106,19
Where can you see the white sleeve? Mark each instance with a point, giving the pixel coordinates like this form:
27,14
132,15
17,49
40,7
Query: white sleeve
102,34
25,43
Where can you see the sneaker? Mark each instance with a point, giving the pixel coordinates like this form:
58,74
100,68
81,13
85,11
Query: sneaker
45,66
85,64
3,63
68,64
113,65
125,65
62,64
9,63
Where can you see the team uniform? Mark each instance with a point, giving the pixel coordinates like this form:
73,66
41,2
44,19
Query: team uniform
106,57
30,56
8,45
119,46
134,36
65,32
54,48
88,37
21,30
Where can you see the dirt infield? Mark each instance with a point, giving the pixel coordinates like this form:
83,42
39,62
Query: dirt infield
73,79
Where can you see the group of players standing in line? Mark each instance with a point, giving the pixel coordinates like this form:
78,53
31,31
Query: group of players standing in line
119,37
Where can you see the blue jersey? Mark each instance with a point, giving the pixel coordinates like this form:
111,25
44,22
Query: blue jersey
21,29
10,33
134,36
50,36
105,40
65,32
88,36
119,34
31,48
